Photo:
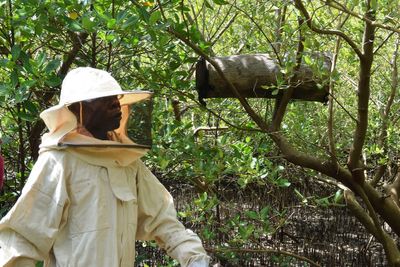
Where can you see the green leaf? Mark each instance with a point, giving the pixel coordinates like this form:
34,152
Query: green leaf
88,23
283,183
154,17
111,23
75,26
4,89
264,213
53,81
26,63
25,85
374,5
41,58
31,107
129,22
14,79
52,65
3,62
182,214
144,14
338,196
252,214
136,64
220,2
110,37
163,163
307,59
26,117
51,29
207,4
15,52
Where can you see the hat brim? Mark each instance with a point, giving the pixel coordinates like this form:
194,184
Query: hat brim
126,97
130,97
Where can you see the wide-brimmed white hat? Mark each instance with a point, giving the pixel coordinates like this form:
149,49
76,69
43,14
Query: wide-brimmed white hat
80,84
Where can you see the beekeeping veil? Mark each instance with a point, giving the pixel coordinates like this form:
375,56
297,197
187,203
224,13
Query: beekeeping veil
87,84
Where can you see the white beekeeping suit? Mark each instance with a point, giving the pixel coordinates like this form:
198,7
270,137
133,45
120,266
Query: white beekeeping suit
87,200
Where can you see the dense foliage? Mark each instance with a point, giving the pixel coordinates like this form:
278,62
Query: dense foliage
350,144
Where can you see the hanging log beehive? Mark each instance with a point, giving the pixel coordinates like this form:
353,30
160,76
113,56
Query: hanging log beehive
255,76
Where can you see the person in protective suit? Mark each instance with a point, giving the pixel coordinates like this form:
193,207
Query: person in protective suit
89,196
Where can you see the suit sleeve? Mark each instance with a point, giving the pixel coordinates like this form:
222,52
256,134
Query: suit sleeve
28,231
157,221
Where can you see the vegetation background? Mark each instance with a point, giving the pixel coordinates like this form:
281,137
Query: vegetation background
263,182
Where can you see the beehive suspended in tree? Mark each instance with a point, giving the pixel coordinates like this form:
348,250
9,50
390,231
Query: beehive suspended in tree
255,76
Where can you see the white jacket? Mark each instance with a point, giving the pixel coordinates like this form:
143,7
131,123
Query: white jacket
75,212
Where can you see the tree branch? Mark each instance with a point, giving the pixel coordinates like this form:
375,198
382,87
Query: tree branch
360,213
390,246
383,42
363,101
382,141
284,101
332,146
367,19
299,5
217,36
263,33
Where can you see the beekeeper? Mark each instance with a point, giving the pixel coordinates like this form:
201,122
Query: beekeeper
89,196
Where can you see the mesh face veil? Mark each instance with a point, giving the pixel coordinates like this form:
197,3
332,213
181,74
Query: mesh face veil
125,125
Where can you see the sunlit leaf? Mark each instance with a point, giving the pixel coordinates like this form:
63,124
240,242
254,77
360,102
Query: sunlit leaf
220,2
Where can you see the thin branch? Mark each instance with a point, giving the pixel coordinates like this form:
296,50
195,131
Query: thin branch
332,146
345,110
12,30
263,33
228,12
382,141
110,46
194,14
383,42
93,61
209,27
299,5
373,23
281,16
223,30
246,129
284,101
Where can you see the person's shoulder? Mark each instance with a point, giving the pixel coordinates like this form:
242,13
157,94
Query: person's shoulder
56,156
139,166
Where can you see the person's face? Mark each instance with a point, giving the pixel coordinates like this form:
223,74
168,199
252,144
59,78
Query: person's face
102,114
